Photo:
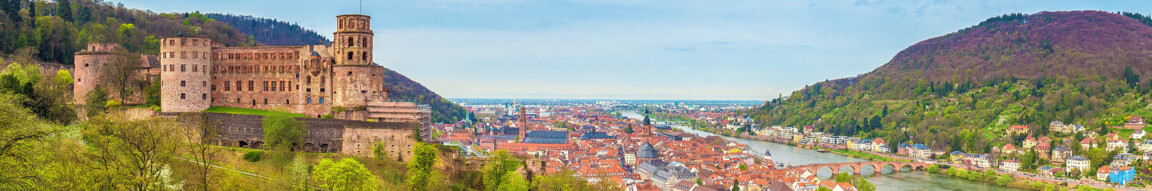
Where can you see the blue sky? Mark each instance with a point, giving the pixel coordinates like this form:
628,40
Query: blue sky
641,49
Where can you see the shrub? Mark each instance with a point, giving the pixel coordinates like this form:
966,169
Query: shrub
253,156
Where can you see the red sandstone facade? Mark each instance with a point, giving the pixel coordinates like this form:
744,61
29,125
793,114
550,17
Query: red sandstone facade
197,73
310,80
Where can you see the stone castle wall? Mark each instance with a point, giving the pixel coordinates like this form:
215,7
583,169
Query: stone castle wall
185,64
324,135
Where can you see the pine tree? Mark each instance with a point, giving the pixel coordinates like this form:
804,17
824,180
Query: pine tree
64,10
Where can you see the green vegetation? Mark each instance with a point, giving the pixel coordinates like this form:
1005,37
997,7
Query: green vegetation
246,111
253,156
79,22
348,174
282,132
421,175
862,155
860,183
961,91
500,172
566,180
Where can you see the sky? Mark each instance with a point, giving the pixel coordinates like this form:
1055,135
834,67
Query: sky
635,49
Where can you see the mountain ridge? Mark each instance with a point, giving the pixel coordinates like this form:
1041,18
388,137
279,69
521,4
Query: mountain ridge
1082,67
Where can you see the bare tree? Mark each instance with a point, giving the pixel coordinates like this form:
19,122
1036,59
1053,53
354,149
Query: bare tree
120,74
130,154
198,132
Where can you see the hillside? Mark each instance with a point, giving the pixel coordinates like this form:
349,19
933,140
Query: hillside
55,35
271,31
275,32
961,90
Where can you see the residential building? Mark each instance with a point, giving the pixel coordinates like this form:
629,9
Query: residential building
1122,175
1010,165
1008,149
920,151
1117,144
1028,143
1018,129
1078,162
1102,173
1134,122
1059,154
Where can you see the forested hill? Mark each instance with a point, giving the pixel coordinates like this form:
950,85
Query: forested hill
271,31
960,91
400,87
53,32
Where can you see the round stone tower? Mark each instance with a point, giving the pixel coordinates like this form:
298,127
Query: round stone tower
88,65
355,78
185,75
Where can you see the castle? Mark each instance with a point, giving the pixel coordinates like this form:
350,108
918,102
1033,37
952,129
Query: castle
315,80
338,79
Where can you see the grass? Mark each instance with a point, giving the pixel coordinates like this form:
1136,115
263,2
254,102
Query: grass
233,110
863,155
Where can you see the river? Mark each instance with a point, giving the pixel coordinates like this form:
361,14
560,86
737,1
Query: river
886,180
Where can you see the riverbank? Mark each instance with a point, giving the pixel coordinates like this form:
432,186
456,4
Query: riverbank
884,179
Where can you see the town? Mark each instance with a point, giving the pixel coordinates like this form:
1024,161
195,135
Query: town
644,146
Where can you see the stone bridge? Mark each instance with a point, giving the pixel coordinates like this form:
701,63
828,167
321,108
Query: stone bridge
877,166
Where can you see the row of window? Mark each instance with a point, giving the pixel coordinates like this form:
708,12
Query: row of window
184,42
257,69
202,83
267,86
184,67
185,54
257,56
356,23
363,56
203,96
253,102
352,42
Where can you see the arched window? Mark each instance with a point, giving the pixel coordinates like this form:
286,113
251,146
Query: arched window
349,55
364,42
351,41
364,56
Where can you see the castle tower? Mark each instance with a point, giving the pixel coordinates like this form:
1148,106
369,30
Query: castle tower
185,74
356,80
88,65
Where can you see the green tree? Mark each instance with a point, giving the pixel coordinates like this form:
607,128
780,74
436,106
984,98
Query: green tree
421,175
735,185
19,130
94,101
63,78
496,170
346,175
282,132
64,10
1004,180
130,154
